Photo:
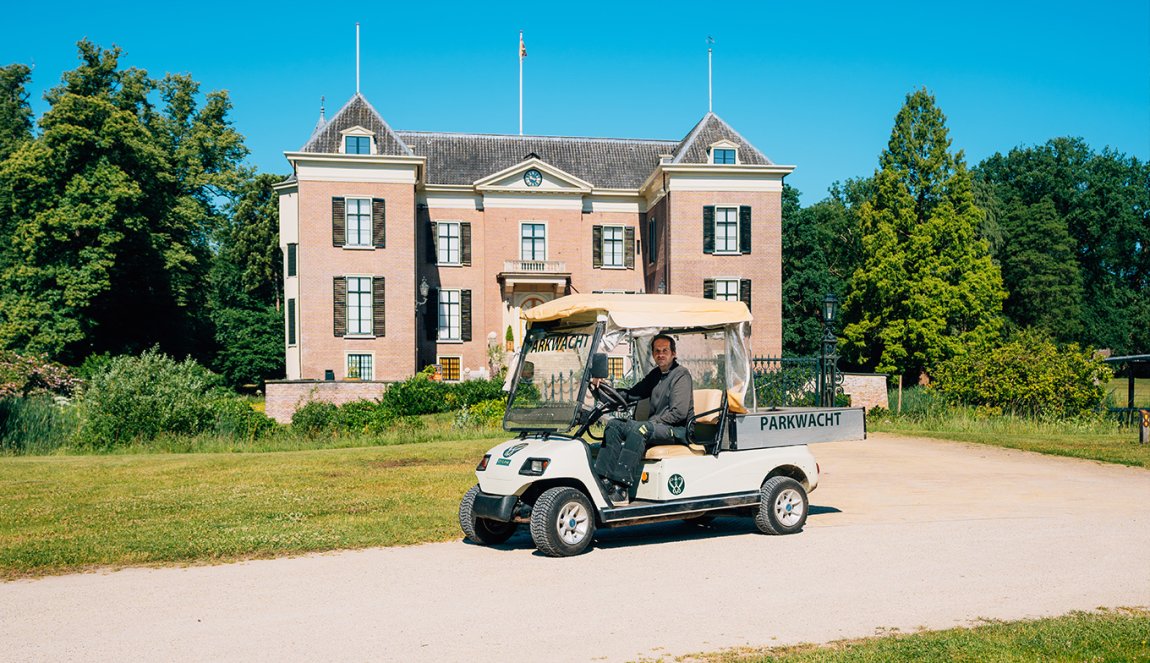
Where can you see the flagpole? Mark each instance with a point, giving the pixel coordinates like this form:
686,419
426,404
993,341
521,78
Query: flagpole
357,58
710,97
520,82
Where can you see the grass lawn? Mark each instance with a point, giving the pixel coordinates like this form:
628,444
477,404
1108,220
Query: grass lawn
1119,389
1112,635
61,514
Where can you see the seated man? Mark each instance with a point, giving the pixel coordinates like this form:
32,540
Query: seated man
670,388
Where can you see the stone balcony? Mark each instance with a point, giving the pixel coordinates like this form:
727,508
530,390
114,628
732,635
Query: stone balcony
535,273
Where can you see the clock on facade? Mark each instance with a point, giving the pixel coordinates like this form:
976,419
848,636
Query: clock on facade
533,177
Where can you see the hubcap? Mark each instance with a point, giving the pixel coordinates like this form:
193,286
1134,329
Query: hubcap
572,523
789,507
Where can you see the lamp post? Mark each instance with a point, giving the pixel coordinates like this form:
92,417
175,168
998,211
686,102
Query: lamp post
830,344
420,302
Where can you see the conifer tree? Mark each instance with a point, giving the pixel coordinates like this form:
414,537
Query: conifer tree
927,285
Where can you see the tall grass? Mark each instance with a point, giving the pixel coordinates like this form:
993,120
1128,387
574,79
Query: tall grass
35,424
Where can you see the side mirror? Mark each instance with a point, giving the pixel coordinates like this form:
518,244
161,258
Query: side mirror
528,372
599,365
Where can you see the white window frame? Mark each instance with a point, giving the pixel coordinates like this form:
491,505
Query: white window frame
356,132
439,360
363,230
522,227
450,321
443,253
734,209
725,282
370,362
359,315
622,257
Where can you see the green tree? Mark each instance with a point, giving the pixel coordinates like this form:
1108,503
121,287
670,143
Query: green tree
1104,202
15,112
1039,268
112,207
246,279
820,252
927,285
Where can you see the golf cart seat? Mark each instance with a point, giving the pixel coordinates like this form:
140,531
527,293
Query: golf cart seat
709,405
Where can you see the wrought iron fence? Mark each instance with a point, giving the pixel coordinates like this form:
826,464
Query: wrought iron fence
796,381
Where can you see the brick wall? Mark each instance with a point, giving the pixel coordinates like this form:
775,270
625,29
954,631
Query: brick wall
284,397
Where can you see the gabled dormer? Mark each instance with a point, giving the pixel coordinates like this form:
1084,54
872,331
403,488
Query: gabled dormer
723,153
357,140
533,176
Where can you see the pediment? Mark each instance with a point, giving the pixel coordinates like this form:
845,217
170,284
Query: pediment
515,179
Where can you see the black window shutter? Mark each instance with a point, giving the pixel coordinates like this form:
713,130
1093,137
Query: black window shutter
652,240
745,229
292,256
378,223
465,243
431,315
629,247
291,322
596,246
433,244
378,313
338,222
465,315
745,292
339,314
708,288
708,229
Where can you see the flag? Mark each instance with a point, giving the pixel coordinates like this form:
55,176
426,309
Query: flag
522,47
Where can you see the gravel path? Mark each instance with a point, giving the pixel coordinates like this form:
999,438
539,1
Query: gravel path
904,534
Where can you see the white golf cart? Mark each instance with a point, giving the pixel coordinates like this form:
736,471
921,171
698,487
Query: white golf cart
739,460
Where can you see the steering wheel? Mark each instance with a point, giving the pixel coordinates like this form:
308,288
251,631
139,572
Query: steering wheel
610,396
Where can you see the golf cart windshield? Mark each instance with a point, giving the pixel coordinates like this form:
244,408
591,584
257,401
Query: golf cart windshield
548,385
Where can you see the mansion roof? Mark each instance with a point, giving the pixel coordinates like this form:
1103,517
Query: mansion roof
461,158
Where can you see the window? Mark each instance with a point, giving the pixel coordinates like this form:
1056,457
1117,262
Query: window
358,222
727,290
722,156
447,242
612,246
726,230
615,368
450,366
359,305
533,244
360,367
652,242
292,255
449,315
291,322
357,144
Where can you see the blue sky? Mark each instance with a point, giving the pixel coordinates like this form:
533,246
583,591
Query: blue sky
815,85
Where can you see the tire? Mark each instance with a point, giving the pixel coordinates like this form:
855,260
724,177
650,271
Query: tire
562,522
481,530
782,506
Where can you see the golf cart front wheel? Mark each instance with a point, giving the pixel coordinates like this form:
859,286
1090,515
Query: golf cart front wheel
562,522
782,506
481,530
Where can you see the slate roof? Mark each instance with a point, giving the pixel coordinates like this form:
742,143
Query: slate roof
357,112
460,158
609,163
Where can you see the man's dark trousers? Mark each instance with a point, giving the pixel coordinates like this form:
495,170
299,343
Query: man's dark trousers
621,458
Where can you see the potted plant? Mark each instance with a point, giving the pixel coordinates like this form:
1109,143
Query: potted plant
509,337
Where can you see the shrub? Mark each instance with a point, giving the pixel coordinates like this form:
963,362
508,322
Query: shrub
315,417
476,391
416,395
1029,375
234,417
364,417
137,398
484,414
22,375
35,424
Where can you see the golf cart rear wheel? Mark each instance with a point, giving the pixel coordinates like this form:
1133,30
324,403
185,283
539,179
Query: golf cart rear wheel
481,530
782,506
562,522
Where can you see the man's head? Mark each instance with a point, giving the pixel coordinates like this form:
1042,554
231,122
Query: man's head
663,350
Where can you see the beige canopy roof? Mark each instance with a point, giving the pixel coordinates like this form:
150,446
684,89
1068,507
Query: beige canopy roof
639,311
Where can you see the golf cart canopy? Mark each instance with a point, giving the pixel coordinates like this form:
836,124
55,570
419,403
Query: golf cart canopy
721,329
642,311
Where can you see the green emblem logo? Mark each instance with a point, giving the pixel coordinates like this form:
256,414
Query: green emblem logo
676,484
511,451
